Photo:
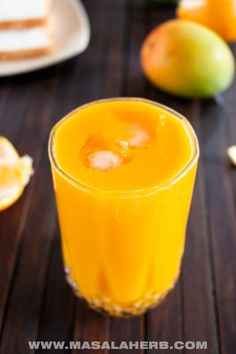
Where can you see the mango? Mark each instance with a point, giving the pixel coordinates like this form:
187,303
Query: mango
219,15
187,59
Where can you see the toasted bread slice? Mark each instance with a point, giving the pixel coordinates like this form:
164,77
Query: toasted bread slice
23,13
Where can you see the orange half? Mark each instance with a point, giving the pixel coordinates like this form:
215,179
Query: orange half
15,173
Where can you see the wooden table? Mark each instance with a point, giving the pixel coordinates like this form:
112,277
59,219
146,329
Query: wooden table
35,301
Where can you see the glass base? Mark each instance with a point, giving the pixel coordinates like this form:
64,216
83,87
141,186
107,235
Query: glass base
108,307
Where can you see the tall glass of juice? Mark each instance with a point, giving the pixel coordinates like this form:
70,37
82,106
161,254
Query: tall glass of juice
123,172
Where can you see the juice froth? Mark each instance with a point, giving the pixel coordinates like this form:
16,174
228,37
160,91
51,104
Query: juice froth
145,145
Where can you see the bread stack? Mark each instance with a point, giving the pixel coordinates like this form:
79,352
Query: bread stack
24,28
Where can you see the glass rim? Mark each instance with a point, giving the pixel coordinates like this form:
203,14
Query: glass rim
134,192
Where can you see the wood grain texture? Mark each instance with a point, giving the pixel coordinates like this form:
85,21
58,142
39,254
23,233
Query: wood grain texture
35,301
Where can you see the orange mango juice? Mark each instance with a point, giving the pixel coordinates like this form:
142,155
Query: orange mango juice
123,172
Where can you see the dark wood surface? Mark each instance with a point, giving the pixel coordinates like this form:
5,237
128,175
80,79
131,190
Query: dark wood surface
35,301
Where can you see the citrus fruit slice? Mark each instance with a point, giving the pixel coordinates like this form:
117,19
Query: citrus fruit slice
231,152
15,173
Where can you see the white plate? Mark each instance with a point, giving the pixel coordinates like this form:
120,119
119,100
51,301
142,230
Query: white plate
71,34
